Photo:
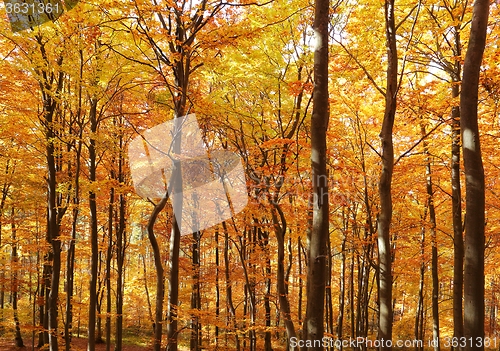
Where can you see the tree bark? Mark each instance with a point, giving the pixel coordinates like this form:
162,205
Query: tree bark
434,251
229,291
385,215
313,328
264,240
51,84
109,257
284,303
420,304
195,342
160,277
94,261
340,319
217,287
15,282
456,194
121,240
458,240
474,185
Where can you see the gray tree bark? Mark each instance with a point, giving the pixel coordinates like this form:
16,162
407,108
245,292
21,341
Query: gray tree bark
474,184
313,327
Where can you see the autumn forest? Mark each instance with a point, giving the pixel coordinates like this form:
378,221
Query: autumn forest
353,145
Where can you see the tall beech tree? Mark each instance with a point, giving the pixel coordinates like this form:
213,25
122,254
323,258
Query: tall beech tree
474,181
51,79
313,327
448,56
385,184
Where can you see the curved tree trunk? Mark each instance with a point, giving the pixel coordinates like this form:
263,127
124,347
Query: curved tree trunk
284,303
160,277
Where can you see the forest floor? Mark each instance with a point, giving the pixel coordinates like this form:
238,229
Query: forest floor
78,344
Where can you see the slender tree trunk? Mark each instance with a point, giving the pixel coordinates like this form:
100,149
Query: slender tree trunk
146,290
173,281
385,215
434,250
70,258
217,287
120,248
420,304
15,283
93,229
229,291
456,196
474,185
352,313
54,294
100,297
264,238
5,192
284,303
317,267
43,337
109,257
196,336
177,203
160,277
301,281
329,295
195,292
70,275
249,306
51,84
340,319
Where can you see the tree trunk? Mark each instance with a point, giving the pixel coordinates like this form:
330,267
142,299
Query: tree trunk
70,258
94,260
5,192
217,287
121,240
329,296
51,85
109,257
301,281
434,251
43,337
160,277
340,319
474,185
195,342
284,303
456,197
264,239
420,304
250,301
175,238
317,267
385,215
229,291
15,283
